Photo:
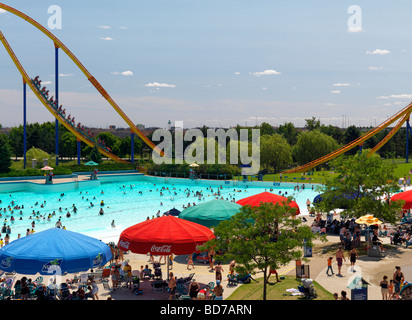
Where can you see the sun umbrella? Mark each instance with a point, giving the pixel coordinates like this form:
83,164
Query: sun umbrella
368,220
193,165
406,196
172,212
210,213
163,236
46,168
46,251
91,163
257,199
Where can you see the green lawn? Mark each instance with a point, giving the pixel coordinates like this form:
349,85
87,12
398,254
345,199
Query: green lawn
275,291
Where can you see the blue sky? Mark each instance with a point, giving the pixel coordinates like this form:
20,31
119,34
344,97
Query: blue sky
218,63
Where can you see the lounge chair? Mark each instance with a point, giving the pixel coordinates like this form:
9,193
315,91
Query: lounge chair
106,286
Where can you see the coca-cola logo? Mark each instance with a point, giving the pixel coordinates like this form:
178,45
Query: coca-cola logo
124,244
165,248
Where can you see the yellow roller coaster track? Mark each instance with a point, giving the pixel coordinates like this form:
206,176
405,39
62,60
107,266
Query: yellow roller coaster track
94,82
403,115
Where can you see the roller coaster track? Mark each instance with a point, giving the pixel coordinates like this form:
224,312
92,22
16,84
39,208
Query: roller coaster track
58,44
403,115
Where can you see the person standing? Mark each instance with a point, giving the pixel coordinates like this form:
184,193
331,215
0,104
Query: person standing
219,271
128,274
193,289
353,254
172,286
339,258
384,288
218,291
211,256
398,278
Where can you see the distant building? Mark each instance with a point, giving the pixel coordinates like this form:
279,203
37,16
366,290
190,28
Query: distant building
112,127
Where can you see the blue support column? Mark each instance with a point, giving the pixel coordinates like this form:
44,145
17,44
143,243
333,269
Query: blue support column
56,79
24,125
132,148
78,150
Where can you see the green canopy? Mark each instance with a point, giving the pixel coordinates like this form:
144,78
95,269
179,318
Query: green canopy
91,163
211,212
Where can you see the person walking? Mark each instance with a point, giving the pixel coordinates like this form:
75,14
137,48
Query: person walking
330,266
190,261
339,258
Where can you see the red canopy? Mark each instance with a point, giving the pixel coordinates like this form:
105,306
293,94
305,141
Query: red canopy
406,195
257,199
164,236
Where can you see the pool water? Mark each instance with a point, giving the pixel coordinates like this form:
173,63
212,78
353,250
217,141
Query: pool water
126,202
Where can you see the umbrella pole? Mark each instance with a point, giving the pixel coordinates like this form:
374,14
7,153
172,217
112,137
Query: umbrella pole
167,268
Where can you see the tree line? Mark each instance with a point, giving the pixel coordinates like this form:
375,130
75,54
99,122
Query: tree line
281,147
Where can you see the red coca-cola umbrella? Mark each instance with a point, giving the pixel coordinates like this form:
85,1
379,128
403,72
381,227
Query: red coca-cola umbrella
163,236
263,197
406,196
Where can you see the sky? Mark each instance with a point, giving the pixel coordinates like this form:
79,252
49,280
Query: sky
214,63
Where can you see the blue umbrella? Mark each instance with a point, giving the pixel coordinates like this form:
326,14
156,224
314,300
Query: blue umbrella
54,250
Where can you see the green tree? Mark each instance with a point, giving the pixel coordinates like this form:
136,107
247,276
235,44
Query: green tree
5,154
275,152
16,141
109,138
312,124
289,131
312,145
361,186
260,238
68,145
94,155
266,128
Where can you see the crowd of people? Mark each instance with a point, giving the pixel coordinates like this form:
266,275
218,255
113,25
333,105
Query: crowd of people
70,119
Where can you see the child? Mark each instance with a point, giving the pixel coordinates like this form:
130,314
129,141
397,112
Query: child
171,261
390,287
190,261
329,266
384,288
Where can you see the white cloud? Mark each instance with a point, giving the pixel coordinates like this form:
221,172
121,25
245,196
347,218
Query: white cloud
66,74
106,38
372,68
160,85
397,96
378,52
124,28
237,73
126,73
341,84
335,91
265,73
46,82
2,11
104,27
